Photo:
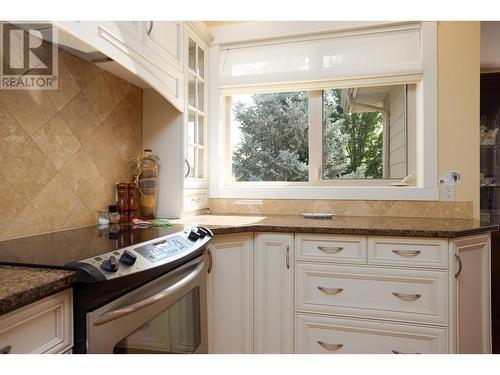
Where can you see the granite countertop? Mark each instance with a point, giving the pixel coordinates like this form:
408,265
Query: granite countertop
357,225
20,286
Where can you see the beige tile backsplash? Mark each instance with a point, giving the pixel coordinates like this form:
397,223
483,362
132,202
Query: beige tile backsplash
61,152
344,207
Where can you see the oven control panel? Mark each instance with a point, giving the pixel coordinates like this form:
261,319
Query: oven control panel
160,250
143,256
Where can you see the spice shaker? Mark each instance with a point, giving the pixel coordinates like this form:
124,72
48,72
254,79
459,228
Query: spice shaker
114,215
103,218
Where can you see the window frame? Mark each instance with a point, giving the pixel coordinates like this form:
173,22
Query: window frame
315,143
426,132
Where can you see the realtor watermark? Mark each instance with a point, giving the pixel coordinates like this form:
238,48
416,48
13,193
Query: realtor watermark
29,56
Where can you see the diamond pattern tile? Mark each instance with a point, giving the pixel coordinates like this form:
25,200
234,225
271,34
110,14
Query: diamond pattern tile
62,152
57,141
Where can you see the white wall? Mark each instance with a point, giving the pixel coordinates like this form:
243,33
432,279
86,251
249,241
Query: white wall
162,132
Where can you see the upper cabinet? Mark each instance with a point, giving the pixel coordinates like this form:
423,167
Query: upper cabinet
196,120
165,39
153,50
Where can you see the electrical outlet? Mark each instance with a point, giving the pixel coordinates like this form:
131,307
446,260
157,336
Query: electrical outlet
448,185
448,192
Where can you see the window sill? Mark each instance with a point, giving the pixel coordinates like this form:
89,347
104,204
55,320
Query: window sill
327,192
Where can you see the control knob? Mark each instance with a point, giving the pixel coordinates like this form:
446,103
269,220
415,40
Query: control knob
193,235
110,265
128,258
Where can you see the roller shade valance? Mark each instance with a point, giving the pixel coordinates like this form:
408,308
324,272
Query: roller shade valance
389,51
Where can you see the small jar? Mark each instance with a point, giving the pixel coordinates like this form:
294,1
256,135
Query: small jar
103,218
114,215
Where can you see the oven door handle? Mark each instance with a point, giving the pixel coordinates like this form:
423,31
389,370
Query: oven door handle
165,293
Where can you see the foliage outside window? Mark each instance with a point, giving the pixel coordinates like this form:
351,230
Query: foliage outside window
352,141
270,137
363,135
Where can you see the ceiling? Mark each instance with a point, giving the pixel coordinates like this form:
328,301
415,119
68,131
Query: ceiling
221,23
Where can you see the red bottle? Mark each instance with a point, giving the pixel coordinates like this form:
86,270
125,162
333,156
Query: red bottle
122,189
133,202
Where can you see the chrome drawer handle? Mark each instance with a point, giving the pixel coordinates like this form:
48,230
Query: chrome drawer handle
330,290
406,296
330,346
331,249
407,253
398,352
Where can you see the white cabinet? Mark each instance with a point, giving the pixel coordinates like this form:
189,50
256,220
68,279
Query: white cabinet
230,294
418,296
165,39
180,139
350,294
327,248
45,326
154,58
196,57
316,334
273,293
470,278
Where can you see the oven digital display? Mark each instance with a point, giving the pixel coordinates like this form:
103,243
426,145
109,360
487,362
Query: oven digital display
161,250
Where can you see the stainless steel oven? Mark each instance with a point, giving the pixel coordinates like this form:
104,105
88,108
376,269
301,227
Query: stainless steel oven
166,315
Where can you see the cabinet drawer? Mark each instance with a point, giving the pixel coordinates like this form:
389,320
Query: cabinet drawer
329,335
396,294
342,249
416,252
45,326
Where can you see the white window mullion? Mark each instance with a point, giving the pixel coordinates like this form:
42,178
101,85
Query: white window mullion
228,163
315,136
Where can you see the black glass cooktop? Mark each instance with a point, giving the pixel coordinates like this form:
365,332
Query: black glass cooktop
59,248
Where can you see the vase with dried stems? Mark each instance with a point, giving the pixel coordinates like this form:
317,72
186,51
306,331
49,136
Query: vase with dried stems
145,175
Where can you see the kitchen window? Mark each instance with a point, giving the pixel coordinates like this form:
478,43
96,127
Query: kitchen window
371,115
322,137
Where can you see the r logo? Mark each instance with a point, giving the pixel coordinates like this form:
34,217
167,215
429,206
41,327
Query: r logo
28,61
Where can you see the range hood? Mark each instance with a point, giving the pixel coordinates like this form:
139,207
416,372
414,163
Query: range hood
81,49
65,41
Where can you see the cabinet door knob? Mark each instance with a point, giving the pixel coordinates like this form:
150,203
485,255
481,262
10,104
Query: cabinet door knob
287,257
330,346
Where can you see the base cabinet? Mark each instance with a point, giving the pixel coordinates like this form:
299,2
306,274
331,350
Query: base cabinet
45,326
471,290
230,293
383,295
332,335
273,293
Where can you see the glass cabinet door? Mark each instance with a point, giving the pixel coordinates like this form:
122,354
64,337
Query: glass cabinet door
196,123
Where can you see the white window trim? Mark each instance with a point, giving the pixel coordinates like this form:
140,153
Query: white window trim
426,142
